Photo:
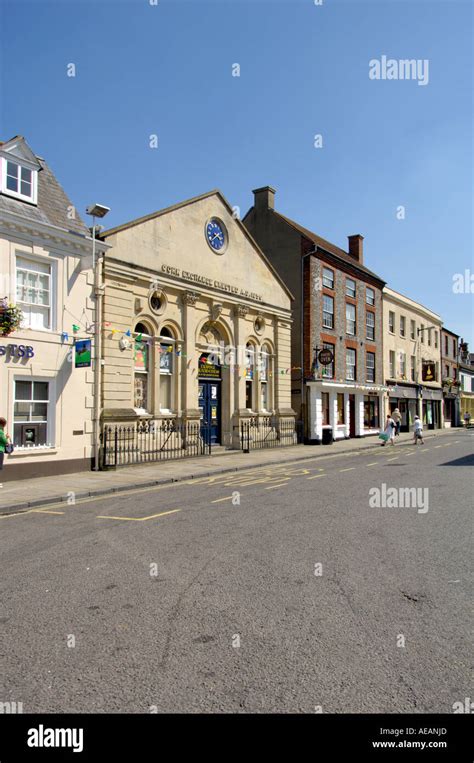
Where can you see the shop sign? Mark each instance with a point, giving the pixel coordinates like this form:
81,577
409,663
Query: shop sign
17,350
208,370
82,353
428,372
326,357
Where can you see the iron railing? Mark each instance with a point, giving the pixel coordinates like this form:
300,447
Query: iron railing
146,441
266,432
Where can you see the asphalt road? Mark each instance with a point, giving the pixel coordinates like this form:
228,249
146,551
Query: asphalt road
220,607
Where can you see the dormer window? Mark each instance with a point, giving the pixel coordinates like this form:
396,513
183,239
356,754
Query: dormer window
19,180
19,169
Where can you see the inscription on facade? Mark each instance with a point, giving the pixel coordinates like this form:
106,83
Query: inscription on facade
195,278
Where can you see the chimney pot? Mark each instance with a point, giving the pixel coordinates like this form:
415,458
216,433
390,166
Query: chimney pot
264,198
356,247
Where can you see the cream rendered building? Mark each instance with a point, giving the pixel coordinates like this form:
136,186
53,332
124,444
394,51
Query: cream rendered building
412,360
181,283
46,268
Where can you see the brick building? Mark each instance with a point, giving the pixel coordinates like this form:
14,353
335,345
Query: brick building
337,308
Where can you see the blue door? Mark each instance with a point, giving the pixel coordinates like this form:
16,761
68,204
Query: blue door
209,401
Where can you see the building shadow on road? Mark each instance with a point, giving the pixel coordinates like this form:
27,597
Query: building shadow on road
464,461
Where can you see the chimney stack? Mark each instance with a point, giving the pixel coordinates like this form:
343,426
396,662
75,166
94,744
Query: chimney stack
264,198
356,247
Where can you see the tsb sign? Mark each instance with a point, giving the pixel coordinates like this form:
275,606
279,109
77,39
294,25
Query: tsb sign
17,350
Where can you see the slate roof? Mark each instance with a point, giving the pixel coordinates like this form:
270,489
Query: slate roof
52,205
328,247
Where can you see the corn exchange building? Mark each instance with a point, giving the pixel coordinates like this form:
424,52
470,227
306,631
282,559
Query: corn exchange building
195,323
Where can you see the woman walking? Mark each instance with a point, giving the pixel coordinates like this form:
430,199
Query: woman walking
4,440
389,431
397,417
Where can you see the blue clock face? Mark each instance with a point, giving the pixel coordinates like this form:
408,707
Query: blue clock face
215,235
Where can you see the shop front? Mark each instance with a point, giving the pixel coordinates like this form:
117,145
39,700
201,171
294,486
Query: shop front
404,397
431,408
339,411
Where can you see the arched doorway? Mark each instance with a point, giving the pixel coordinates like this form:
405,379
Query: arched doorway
210,382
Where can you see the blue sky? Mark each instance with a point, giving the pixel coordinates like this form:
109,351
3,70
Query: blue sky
166,69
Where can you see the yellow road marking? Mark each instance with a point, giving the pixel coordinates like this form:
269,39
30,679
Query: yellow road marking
282,484
316,476
107,497
349,469
44,511
393,459
438,446
30,511
218,500
374,463
141,519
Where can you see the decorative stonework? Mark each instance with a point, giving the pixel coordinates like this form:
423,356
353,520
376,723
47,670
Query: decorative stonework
241,311
209,334
216,311
259,324
190,298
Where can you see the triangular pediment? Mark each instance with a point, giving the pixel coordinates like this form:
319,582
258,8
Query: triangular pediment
17,148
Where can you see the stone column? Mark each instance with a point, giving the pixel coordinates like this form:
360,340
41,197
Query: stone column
240,412
189,404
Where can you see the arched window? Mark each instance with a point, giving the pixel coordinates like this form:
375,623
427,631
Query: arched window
264,375
141,395
249,376
166,370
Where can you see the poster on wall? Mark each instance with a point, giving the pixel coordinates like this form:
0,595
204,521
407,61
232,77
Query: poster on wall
141,357
83,353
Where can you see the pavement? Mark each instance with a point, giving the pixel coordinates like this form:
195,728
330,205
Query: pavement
19,495
279,588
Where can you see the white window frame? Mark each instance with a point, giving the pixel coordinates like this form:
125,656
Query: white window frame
403,326
370,300
412,329
403,364
391,329
369,325
330,278
350,350
371,367
17,194
264,378
50,413
351,323
391,364
327,326
51,265
167,372
351,292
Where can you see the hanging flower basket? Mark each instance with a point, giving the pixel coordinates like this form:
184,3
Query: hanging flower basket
10,317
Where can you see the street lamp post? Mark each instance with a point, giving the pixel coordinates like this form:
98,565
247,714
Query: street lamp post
97,211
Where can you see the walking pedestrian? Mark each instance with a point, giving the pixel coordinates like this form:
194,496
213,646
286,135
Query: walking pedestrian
397,417
389,431
4,441
418,431
467,419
